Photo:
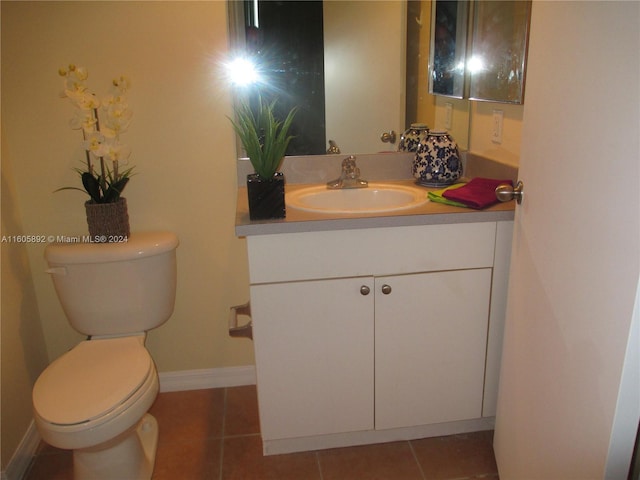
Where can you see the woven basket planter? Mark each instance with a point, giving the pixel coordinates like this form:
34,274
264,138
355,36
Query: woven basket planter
108,222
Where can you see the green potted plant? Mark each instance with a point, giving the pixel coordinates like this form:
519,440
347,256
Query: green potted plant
103,178
265,140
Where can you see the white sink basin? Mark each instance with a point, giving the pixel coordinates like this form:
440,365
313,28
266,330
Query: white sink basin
376,198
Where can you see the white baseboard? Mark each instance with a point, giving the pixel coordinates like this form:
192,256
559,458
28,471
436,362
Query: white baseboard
207,378
169,382
349,439
19,463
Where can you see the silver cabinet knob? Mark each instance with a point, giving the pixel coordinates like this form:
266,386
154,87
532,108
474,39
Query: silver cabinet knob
386,289
364,290
504,193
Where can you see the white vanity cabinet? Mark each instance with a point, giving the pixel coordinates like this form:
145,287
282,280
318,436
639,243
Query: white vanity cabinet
376,334
314,357
430,347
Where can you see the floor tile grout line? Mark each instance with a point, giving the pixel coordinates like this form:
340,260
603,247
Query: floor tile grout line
222,433
415,457
242,435
319,464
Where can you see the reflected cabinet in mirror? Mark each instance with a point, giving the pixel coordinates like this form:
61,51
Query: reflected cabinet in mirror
479,49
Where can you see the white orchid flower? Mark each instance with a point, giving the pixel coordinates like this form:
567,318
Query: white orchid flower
121,84
117,152
94,143
101,130
118,117
83,99
75,78
81,73
85,120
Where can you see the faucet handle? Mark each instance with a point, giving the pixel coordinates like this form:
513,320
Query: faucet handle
349,167
349,162
350,177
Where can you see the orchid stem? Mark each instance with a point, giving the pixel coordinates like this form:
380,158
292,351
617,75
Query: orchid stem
95,113
103,178
86,152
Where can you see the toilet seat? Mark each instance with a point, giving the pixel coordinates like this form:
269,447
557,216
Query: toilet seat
90,381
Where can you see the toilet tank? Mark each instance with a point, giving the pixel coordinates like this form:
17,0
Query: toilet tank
116,288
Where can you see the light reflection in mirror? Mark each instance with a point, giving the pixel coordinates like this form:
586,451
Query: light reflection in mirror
242,72
411,93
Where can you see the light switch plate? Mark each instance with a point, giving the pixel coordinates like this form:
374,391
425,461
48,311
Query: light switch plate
496,131
448,116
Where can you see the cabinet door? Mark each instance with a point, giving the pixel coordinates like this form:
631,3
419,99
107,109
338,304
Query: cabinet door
314,356
430,344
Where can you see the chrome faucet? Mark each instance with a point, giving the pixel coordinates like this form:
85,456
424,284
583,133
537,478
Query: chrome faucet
350,177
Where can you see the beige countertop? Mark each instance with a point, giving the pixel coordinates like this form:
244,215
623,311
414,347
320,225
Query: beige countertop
430,213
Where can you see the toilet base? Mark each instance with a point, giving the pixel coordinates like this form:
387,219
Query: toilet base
131,455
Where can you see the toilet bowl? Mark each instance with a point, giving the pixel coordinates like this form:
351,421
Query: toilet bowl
94,398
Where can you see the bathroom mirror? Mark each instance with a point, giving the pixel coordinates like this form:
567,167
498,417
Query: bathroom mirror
498,50
479,49
449,26
373,68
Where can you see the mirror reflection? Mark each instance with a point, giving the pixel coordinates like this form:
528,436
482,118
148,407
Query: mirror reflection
355,69
498,50
283,43
490,65
448,48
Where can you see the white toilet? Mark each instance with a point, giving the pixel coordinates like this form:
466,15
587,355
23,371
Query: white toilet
94,398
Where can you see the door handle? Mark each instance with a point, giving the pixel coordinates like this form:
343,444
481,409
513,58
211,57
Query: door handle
388,137
504,193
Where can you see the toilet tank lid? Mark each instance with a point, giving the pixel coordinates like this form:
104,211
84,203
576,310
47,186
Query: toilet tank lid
138,245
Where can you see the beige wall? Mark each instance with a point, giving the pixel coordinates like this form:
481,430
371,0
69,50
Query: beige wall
23,349
481,122
183,150
460,113
472,124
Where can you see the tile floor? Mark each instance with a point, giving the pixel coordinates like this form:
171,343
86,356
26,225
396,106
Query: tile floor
213,434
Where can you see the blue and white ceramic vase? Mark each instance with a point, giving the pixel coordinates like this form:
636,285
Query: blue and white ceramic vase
412,137
437,161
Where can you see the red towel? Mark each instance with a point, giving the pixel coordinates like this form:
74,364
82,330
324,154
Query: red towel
478,193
